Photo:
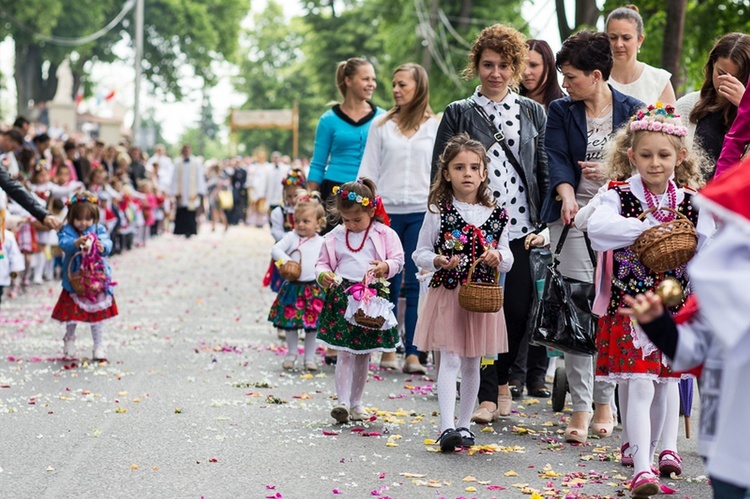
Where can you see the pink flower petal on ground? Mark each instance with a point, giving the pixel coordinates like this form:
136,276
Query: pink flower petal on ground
667,490
336,491
329,433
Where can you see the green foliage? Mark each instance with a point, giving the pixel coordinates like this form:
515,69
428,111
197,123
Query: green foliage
195,136
296,60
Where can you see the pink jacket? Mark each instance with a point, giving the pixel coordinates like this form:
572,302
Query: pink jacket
737,138
388,249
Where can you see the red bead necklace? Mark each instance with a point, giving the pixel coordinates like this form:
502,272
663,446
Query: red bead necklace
364,240
652,201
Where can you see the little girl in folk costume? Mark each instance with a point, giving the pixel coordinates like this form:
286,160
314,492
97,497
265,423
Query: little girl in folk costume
85,241
657,150
281,220
463,224
362,244
299,302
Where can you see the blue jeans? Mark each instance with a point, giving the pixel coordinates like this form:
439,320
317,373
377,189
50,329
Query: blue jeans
407,227
726,490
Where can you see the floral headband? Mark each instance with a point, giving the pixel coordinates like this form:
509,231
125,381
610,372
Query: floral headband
294,177
40,165
354,197
83,199
644,121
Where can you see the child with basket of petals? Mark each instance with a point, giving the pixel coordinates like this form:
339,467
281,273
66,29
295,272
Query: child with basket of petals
464,232
300,299
87,286
362,244
652,209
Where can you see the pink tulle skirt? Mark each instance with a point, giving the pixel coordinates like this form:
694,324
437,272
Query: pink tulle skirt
444,325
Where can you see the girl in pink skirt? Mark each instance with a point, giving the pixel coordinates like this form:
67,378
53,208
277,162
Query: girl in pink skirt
463,224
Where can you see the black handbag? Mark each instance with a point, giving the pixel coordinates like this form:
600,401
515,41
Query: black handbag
563,319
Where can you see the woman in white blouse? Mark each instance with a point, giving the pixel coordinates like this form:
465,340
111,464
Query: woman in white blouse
397,157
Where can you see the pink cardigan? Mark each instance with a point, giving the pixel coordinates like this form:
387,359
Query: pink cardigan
737,138
388,249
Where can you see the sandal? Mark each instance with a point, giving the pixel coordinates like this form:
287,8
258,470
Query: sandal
603,430
577,435
449,440
625,459
669,462
644,484
467,437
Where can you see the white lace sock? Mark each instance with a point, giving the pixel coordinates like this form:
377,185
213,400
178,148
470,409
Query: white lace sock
669,391
292,342
343,376
70,331
638,420
359,379
310,345
469,390
97,332
450,364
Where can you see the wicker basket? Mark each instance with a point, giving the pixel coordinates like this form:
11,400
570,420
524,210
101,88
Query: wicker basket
291,269
365,320
668,245
483,297
75,278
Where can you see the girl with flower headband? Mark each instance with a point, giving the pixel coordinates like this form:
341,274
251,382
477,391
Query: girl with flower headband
281,220
85,244
299,302
463,225
362,248
667,172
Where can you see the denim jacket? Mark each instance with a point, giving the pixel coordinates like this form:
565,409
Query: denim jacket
67,238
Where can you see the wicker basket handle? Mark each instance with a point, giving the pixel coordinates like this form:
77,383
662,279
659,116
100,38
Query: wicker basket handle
72,258
296,251
651,210
496,274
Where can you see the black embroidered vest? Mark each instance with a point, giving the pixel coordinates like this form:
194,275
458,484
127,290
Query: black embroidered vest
468,242
630,276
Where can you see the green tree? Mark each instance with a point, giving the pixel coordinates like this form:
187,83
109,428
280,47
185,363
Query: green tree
178,34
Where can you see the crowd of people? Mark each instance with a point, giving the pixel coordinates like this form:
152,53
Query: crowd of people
401,203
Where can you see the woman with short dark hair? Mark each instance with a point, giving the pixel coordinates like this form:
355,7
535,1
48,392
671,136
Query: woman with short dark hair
578,129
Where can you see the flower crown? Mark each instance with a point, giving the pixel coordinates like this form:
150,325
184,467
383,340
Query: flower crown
644,121
40,165
354,197
294,177
82,199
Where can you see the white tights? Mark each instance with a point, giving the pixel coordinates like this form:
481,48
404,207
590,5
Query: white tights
97,331
292,343
643,418
450,365
351,376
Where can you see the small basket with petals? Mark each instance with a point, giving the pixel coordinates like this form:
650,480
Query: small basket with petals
368,310
668,245
482,297
291,269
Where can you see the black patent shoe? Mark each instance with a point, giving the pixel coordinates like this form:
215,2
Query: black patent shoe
449,440
467,437
516,389
538,389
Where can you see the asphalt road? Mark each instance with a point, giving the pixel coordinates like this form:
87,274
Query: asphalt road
194,403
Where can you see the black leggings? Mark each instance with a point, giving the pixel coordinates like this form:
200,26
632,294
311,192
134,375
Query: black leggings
517,305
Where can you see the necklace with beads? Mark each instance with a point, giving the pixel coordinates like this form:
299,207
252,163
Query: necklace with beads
364,240
652,201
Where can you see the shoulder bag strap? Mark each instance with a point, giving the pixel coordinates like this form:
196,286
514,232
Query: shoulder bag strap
564,236
498,135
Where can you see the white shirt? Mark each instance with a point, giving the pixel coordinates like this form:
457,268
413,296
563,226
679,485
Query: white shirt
648,87
353,265
166,170
475,214
276,221
505,183
400,166
599,131
309,249
270,183
189,180
12,260
609,230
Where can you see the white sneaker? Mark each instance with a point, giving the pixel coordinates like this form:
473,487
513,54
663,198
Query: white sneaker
359,414
99,354
69,348
288,363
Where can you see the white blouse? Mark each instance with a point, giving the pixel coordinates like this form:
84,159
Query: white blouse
400,166
309,249
475,214
609,230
